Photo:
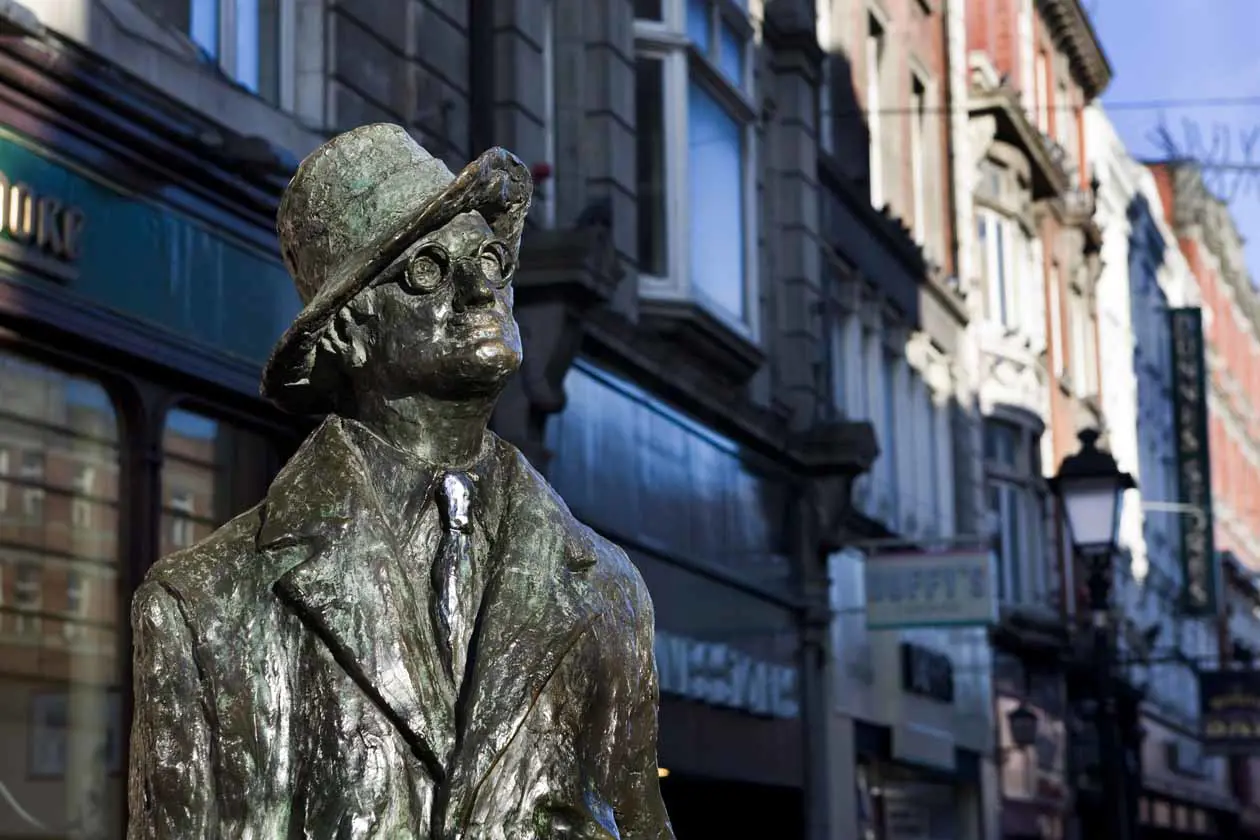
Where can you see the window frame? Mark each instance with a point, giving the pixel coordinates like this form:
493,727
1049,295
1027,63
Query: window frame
1026,493
920,88
546,197
875,83
682,64
226,54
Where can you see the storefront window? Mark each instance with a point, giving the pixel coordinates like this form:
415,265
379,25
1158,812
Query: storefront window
211,471
61,728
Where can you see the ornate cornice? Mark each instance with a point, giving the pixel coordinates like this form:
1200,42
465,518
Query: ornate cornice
1071,29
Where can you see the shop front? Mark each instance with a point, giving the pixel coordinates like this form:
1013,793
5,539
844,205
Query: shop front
1033,719
137,304
919,770
699,518
1185,793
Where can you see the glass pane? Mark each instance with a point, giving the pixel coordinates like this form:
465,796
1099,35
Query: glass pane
258,47
731,55
60,660
700,24
203,24
647,9
715,166
650,151
211,471
268,42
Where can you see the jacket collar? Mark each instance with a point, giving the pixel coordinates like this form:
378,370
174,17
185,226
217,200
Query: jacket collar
345,579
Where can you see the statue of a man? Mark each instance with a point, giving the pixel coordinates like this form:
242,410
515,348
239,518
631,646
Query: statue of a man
411,637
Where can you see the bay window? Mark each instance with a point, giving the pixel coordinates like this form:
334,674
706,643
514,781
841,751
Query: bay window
695,146
1017,507
252,41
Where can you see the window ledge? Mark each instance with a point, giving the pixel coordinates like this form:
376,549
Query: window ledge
709,337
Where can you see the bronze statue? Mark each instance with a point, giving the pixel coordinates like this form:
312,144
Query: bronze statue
411,636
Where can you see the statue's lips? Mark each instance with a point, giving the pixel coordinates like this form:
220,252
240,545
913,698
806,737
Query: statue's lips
479,324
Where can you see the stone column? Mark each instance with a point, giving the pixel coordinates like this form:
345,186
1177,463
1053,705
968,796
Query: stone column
832,455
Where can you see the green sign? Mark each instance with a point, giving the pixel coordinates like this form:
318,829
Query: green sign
1194,475
136,256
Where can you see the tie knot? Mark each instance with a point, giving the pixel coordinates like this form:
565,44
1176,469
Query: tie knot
454,493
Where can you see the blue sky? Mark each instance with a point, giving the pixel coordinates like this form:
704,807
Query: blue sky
1188,49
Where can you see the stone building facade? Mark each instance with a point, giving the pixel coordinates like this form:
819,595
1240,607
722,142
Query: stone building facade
1033,66
680,382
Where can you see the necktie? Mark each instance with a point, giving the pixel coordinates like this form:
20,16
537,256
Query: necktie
453,572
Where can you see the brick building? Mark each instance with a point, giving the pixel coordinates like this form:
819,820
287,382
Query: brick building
889,139
1033,246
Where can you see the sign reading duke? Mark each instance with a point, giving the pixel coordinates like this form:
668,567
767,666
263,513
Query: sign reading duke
946,589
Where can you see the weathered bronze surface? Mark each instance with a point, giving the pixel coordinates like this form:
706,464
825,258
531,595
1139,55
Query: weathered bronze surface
411,636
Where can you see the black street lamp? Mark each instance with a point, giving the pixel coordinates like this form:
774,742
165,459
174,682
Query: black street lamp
1023,725
1090,488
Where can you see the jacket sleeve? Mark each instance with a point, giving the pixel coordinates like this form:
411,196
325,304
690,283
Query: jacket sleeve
170,786
641,811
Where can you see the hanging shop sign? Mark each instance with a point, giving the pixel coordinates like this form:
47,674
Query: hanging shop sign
1193,472
1230,706
717,674
917,589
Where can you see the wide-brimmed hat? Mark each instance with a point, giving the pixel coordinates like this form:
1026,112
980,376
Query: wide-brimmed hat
354,206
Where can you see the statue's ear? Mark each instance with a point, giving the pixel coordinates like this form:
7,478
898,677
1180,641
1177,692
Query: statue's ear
346,337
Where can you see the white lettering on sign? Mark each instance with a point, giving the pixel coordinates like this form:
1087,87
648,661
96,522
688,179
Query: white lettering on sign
717,674
914,590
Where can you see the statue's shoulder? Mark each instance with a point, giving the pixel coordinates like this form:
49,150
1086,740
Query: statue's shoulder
221,563
609,567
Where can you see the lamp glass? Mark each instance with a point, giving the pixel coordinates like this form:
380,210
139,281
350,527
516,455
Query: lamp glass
1023,724
1092,508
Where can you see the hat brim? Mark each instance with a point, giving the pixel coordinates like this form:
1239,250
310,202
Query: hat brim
497,184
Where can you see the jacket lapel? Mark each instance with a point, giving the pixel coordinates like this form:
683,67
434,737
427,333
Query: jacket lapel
348,588
537,604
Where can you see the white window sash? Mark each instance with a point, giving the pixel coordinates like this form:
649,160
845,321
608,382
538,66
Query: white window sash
874,117
667,41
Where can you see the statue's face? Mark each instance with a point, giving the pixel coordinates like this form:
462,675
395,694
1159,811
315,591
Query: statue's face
442,314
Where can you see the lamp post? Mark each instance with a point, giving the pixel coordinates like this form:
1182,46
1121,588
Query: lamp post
1090,488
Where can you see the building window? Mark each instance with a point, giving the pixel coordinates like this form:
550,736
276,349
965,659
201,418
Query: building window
1056,324
1043,93
4,481
694,132
81,504
33,493
251,40
826,114
874,106
545,193
1080,325
211,471
1065,119
826,88
76,603
1017,507
28,596
918,149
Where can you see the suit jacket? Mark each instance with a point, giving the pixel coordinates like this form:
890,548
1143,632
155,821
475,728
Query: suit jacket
287,687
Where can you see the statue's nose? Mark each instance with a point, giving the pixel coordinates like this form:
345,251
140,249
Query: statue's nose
472,287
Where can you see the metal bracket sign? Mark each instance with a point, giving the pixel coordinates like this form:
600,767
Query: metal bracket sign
924,589
1194,476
